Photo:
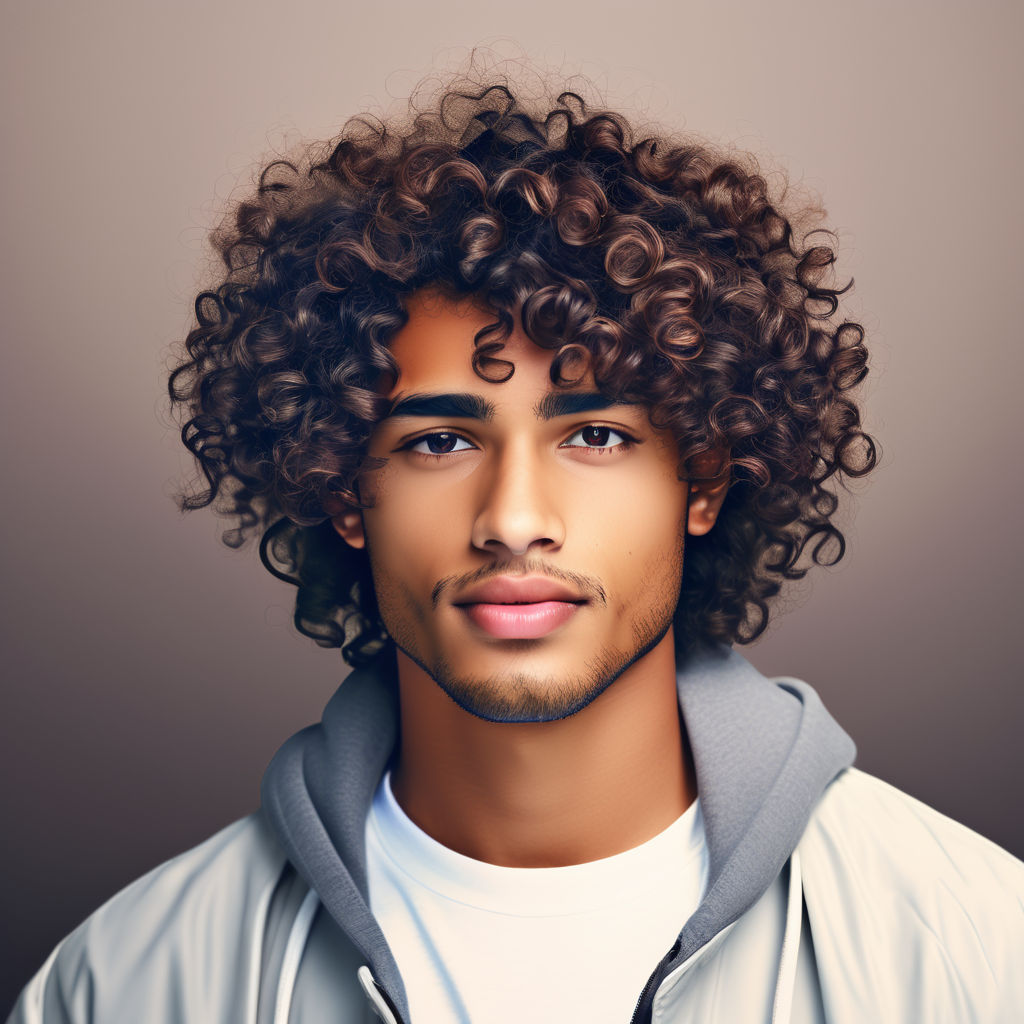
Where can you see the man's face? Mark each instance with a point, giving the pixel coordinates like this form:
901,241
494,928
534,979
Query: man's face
523,554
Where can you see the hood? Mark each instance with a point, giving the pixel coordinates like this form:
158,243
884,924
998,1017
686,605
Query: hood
764,751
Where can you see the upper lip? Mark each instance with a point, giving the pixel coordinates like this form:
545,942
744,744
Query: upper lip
517,590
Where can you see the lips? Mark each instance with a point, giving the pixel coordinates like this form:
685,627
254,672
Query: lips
518,590
519,608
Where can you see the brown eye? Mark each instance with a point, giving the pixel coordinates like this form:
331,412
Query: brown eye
441,443
599,439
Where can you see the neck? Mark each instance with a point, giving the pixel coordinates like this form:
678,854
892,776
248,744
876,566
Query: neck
546,794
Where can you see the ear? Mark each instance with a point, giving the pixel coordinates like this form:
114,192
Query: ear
710,476
348,522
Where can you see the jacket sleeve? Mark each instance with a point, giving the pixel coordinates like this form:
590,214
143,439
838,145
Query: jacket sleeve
180,944
29,1007
914,916
57,993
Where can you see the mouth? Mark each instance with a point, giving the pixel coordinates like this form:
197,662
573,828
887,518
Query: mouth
522,621
519,607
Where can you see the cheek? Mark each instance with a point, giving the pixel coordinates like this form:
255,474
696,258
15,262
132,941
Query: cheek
399,516
410,541
645,551
416,520
636,513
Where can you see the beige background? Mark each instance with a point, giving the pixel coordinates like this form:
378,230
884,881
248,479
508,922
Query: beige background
150,673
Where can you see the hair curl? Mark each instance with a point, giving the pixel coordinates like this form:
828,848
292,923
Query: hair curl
665,268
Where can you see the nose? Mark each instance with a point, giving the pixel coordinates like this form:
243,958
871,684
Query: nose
516,511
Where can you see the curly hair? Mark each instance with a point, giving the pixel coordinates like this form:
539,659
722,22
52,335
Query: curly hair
659,265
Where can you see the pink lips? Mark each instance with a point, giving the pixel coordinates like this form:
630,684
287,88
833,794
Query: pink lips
519,608
520,621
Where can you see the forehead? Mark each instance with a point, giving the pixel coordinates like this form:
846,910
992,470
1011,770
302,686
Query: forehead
434,349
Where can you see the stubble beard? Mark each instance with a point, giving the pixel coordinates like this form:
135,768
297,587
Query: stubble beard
521,697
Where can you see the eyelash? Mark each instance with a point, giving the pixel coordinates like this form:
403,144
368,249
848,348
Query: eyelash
436,457
627,442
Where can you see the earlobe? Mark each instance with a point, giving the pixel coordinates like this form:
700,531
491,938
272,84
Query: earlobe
708,492
349,526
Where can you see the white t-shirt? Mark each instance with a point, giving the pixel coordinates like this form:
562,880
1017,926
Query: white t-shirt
478,943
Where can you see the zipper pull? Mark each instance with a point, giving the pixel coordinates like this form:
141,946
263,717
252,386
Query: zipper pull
378,998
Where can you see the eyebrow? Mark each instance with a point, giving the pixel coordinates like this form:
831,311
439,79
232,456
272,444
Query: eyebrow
562,403
463,405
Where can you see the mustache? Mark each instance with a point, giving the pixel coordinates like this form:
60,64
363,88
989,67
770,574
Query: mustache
586,586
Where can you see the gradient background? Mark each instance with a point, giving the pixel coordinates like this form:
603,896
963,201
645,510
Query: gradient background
150,673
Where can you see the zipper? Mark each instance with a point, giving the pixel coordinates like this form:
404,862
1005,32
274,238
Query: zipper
642,1010
644,1005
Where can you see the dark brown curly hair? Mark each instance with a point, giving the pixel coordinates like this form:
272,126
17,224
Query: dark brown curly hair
665,268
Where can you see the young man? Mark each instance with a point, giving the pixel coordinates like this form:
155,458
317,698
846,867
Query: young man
538,416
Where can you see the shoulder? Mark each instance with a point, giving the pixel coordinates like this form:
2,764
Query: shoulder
871,824
911,902
179,943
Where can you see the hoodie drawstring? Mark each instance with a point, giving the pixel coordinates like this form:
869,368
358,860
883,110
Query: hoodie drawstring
297,937
782,1008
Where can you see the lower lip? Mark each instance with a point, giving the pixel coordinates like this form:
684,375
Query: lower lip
520,621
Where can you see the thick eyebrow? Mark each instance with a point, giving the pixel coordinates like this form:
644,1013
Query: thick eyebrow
571,403
472,407
459,406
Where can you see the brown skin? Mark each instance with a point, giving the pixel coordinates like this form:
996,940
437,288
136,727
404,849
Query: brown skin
599,764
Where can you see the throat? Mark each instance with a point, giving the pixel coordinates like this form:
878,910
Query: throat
545,794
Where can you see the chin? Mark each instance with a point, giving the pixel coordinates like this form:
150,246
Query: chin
519,705
520,690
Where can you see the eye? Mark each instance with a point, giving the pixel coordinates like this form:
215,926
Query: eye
597,438
442,443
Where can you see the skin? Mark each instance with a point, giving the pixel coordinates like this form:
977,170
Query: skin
529,752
